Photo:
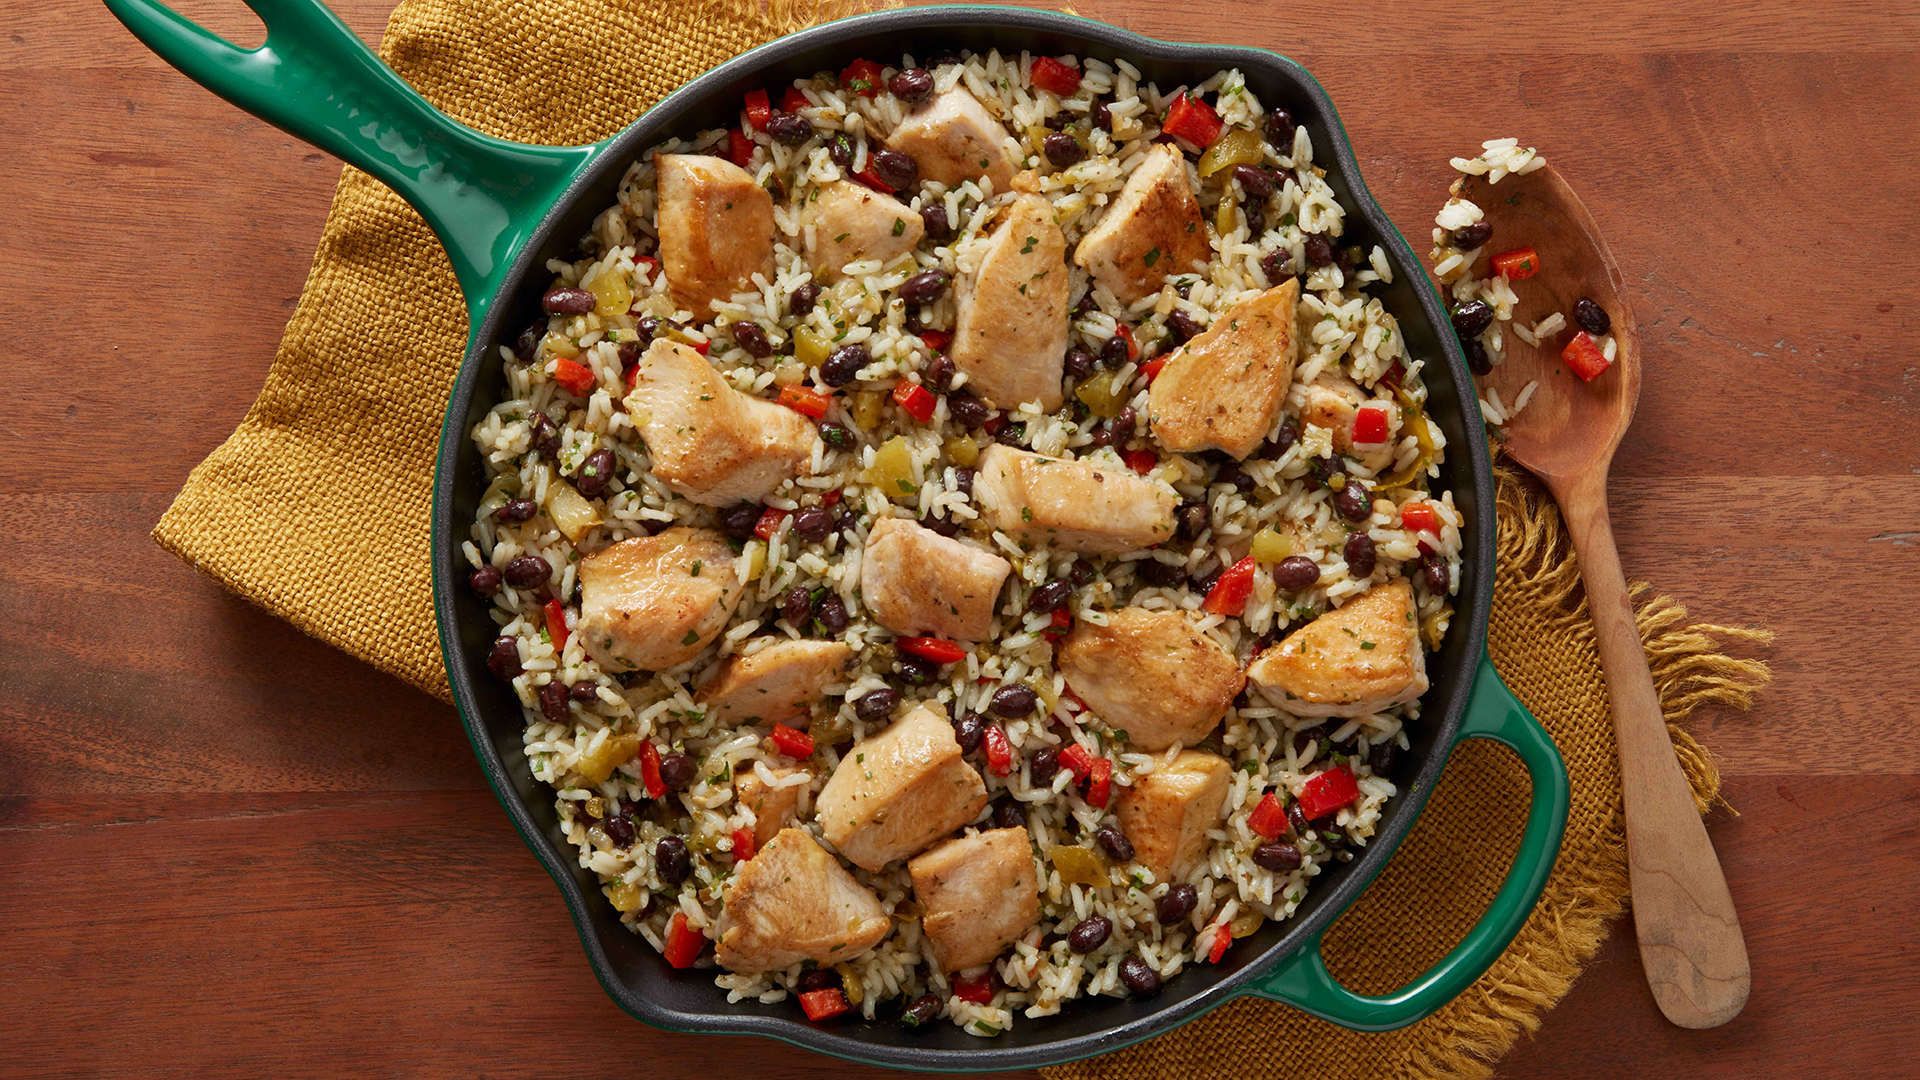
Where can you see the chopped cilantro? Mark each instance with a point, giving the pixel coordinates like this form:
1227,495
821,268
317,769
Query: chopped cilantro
1151,257
899,226
692,636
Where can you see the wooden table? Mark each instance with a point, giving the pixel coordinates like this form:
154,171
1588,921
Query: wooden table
228,850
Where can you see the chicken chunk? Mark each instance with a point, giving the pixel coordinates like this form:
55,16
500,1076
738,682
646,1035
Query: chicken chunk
716,229
955,139
1223,389
1360,658
1071,504
776,685
1153,229
1332,401
899,791
1152,674
1010,333
772,806
1166,814
851,222
916,581
710,442
655,601
980,893
792,902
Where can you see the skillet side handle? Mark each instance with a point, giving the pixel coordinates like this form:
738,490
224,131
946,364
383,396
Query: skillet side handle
1303,980
315,80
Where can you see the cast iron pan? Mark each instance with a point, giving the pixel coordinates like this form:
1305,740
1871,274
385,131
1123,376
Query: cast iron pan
502,209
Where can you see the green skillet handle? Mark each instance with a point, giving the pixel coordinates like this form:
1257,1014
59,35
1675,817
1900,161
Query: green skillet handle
1303,980
314,79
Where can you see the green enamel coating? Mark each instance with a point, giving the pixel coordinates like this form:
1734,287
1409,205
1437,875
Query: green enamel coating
1303,980
314,79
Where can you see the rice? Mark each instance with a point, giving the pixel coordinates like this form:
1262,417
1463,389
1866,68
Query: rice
1341,329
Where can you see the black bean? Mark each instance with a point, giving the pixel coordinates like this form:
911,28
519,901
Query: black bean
1204,583
1360,556
649,325
968,411
797,607
1079,363
843,363
1183,325
895,169
504,659
1434,571
1190,520
1591,316
619,829
1477,361
1113,842
840,149
1295,573
1044,765
915,671
485,580
586,692
670,860
1014,701
832,613
1380,758
1082,306
1164,574
528,571
1280,128
1353,501
1352,258
1059,121
553,702
800,303
628,352
791,129
1123,423
912,85
969,730
922,1010
876,704
1103,117
1297,820
753,339
941,524
1470,318
1052,595
835,435
527,345
739,521
567,301
1278,858
1468,237
1232,473
1115,354
1282,442
677,770
1062,149
818,978
813,523
1080,573
1319,250
517,510
595,473
1176,904
910,320
1139,976
934,218
1257,182
1009,814
963,481
1326,468
925,287
1090,934
1277,265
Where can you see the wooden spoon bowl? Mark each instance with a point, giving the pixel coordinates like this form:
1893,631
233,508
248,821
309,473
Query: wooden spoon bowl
1689,934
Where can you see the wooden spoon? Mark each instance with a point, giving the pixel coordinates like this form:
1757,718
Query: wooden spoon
1690,942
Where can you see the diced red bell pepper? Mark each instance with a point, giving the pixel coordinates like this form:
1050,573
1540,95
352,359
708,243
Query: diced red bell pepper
1269,819
994,423
793,100
872,179
650,770
758,110
1419,517
1585,357
1140,461
802,398
1394,374
1370,425
1229,594
629,373
1222,937
1328,791
744,846
770,519
1062,619
557,624
832,498
1078,760
1051,74
1516,264
1100,782
1152,369
1126,335
863,77
938,650
916,399
683,942
977,990
794,744
1193,120
649,262
936,339
739,147
702,346
824,1004
999,751
578,380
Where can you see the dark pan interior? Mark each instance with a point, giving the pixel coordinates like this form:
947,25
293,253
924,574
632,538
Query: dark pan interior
630,970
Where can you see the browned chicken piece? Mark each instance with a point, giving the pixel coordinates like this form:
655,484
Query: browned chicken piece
651,602
1071,504
792,902
776,685
772,806
1332,400
980,893
1010,334
900,790
1223,389
1152,674
1166,814
954,139
1360,658
1152,230
710,442
916,581
716,229
853,222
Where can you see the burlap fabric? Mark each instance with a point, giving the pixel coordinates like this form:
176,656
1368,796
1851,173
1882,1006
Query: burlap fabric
316,509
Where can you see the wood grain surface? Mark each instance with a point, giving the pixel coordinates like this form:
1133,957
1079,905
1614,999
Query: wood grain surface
226,850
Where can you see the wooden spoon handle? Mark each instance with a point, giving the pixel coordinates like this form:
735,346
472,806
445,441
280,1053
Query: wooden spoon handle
1690,942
